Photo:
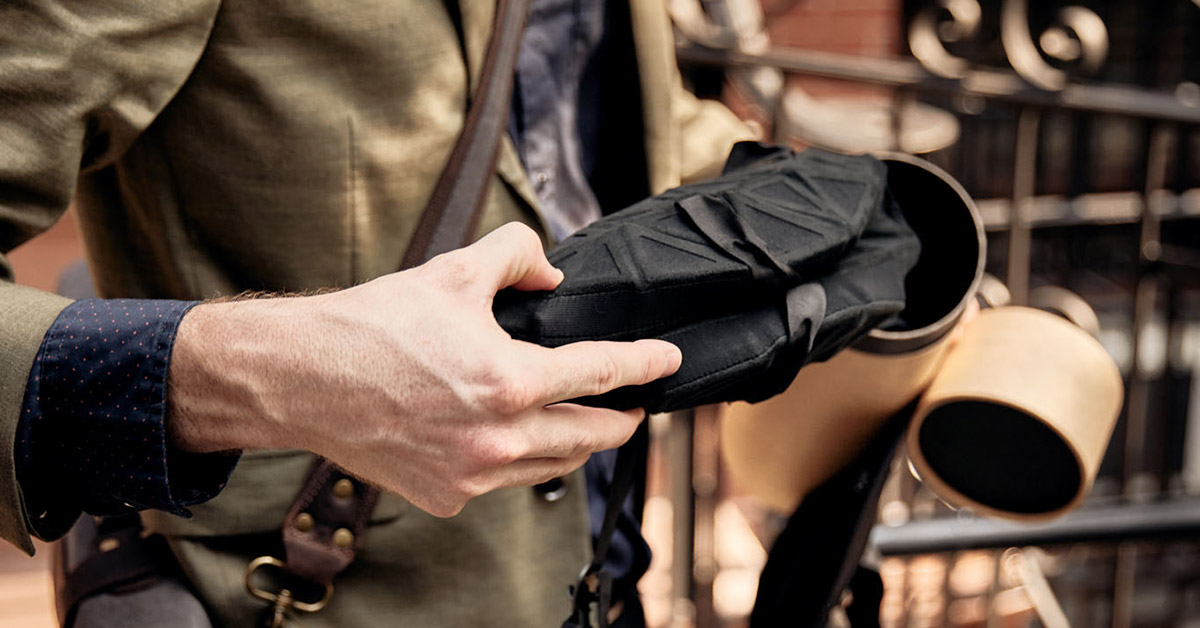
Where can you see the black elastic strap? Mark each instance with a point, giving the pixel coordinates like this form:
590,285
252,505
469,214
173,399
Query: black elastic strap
595,584
715,218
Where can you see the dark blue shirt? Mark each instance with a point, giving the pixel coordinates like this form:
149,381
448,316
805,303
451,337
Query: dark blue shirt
553,129
92,435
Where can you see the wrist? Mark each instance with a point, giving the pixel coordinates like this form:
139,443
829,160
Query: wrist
223,391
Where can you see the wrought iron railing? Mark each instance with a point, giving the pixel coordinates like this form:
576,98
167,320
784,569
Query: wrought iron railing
1050,73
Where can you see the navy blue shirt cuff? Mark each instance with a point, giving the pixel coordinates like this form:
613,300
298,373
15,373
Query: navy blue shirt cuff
92,434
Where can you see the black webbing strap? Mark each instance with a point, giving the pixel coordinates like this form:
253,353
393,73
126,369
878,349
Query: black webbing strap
595,584
866,589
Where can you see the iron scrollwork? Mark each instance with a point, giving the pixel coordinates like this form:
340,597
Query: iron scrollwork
1078,37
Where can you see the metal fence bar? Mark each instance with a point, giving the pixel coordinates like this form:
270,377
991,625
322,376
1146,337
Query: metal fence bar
998,85
1019,234
1178,518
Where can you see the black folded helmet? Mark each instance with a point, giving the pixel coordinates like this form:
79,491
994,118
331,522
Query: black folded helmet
784,259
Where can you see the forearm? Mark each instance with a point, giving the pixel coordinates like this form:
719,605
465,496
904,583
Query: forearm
281,372
231,359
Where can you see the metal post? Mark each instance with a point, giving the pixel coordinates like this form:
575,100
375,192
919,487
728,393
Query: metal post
1149,252
679,454
1024,178
705,485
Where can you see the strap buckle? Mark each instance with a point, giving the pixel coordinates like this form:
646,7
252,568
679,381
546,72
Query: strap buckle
594,587
283,601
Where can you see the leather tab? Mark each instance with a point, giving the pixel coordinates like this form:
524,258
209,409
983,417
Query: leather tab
314,532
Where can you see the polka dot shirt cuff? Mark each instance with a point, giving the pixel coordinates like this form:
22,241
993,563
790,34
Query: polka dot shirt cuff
92,434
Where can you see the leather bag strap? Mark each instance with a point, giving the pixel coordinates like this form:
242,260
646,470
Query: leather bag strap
452,215
324,525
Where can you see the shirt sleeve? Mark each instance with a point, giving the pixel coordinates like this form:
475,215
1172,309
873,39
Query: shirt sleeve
92,433
79,80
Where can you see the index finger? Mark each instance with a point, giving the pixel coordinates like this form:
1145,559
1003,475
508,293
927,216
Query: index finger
587,368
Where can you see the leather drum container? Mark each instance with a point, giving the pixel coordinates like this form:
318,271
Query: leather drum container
780,449
1018,418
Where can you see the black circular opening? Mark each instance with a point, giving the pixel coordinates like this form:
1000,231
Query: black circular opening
950,244
1000,457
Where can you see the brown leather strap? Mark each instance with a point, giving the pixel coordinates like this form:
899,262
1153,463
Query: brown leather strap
452,215
324,526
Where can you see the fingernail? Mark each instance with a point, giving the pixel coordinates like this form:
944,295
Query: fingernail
674,360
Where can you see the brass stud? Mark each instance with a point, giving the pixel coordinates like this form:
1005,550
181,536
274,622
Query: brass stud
343,538
109,544
304,522
343,488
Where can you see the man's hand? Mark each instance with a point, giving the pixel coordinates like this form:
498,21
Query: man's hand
407,381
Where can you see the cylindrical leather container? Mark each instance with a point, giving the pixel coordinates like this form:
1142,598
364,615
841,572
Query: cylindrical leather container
780,449
1018,418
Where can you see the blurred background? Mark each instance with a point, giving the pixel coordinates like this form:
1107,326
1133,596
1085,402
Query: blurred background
26,594
1074,125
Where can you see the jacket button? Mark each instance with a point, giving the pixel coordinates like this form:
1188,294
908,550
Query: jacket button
552,490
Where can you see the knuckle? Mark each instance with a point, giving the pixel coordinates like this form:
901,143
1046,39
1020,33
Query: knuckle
584,446
506,394
574,463
606,375
454,270
466,488
523,234
652,367
495,450
447,507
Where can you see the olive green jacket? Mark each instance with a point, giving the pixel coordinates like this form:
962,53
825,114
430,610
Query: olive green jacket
218,146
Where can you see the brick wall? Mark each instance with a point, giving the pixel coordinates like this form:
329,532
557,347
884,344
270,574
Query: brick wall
39,262
867,28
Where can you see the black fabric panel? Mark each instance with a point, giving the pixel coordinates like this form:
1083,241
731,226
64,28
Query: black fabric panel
784,259
816,556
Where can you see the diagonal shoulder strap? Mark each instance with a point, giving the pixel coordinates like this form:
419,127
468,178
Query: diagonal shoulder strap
452,215
322,529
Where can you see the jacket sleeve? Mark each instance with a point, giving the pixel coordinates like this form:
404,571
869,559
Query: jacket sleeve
707,130
79,80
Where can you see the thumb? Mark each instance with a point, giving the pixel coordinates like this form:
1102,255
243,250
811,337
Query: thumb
512,256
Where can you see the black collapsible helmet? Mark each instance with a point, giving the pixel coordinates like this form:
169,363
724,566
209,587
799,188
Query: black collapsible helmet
784,259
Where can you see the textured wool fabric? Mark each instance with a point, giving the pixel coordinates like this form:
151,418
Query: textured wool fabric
784,259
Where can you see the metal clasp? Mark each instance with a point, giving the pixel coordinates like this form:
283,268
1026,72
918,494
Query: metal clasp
283,601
